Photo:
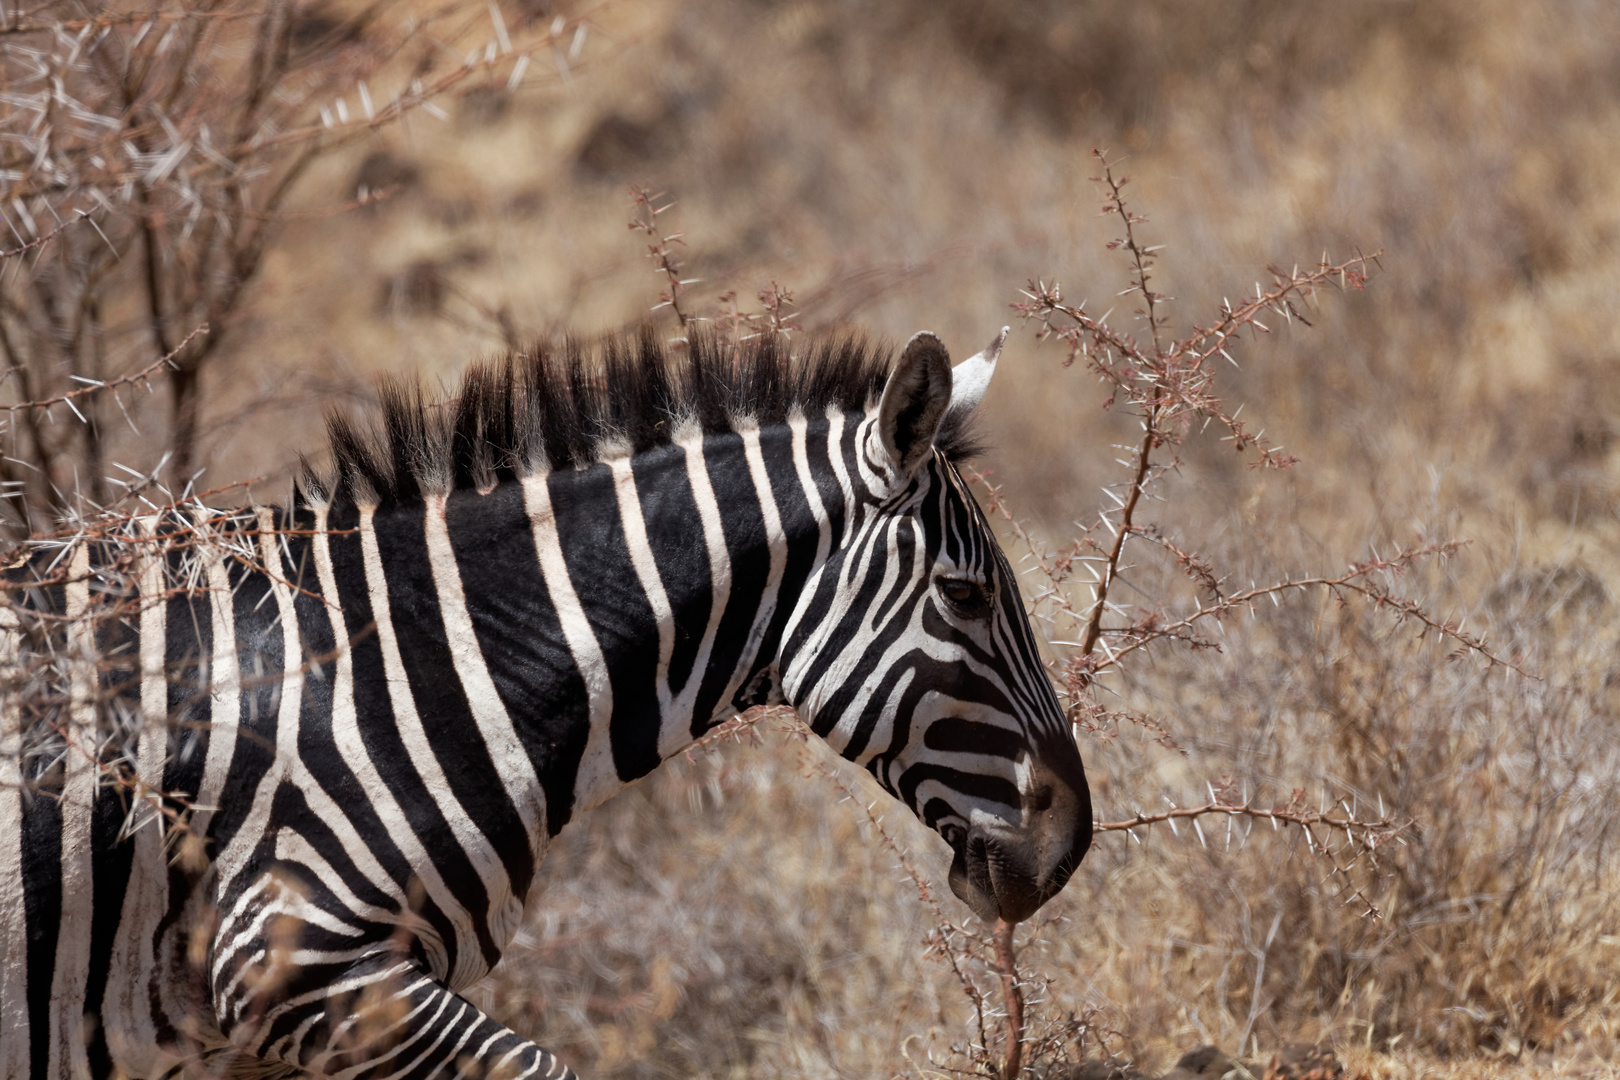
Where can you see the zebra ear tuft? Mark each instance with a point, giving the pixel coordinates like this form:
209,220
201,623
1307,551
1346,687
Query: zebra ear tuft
971,378
914,402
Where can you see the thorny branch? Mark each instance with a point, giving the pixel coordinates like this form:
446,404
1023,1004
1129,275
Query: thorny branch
1013,995
1360,836
1358,579
1170,384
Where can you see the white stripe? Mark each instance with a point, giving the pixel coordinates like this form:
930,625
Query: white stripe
13,925
807,480
855,533
127,1009
230,861
418,1031
408,1044
652,585
777,539
835,457
491,871
800,427
872,460
489,711
336,991
860,701
224,684
67,1051
346,733
675,736
598,776
865,541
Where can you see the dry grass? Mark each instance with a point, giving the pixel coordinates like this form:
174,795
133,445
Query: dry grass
733,916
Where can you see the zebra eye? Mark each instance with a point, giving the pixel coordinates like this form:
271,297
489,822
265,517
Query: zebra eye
966,598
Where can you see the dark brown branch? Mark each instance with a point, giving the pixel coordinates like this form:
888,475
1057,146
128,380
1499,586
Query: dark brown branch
1088,642
1013,995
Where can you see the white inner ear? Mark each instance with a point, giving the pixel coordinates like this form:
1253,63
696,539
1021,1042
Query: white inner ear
971,378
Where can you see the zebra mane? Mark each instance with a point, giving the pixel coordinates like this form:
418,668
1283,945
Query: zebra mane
551,409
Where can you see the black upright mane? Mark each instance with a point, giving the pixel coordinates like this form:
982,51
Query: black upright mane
567,407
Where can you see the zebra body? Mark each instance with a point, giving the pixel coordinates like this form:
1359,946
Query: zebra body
291,798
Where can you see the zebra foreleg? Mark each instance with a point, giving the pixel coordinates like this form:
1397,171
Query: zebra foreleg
384,1017
336,989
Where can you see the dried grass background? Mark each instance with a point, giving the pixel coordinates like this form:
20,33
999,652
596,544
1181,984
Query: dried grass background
912,166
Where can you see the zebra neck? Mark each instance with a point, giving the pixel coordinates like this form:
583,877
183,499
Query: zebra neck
600,618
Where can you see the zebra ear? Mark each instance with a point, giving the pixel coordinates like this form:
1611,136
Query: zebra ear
971,378
914,402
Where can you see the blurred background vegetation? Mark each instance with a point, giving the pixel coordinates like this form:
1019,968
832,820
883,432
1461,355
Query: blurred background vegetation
914,165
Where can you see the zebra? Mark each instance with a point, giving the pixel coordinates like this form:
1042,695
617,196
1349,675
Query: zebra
275,782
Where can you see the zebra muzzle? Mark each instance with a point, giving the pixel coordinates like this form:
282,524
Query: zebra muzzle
1001,876
1008,869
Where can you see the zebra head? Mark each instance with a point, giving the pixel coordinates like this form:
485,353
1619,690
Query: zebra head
919,662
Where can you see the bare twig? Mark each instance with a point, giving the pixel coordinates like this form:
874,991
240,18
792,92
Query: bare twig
41,241
661,250
140,376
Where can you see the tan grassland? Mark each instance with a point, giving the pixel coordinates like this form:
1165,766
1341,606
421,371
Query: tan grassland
915,165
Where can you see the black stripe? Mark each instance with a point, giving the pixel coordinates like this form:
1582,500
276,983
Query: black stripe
851,617
379,733
318,751
865,672
949,527
440,700
954,734
42,909
521,639
936,810
598,560
901,553
110,864
680,551
748,546
817,611
187,650
993,789
804,539
289,804
818,452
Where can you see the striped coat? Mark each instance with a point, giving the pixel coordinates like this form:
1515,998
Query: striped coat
275,784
